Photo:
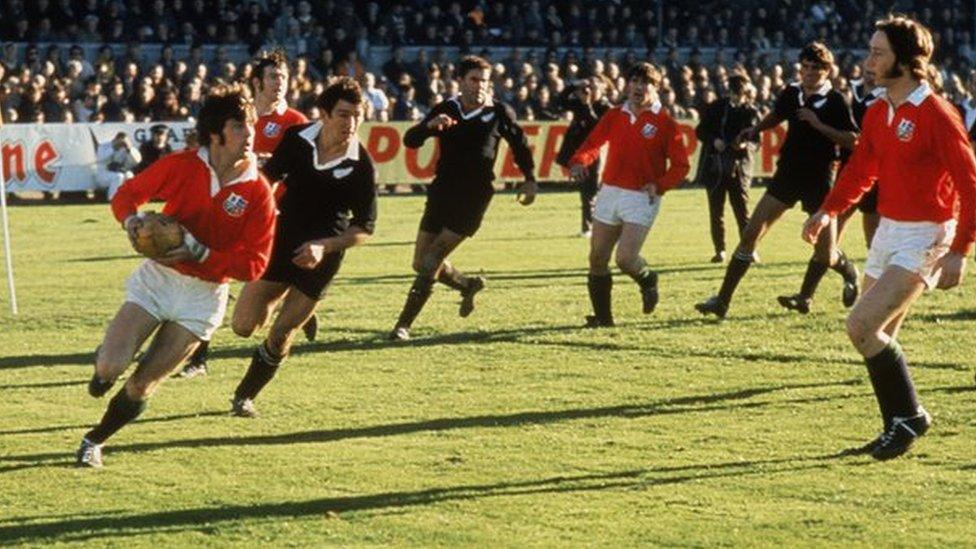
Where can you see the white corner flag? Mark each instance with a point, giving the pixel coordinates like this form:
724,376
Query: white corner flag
6,235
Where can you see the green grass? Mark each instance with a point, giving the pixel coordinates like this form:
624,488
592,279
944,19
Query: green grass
513,427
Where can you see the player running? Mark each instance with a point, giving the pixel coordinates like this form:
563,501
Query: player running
646,158
227,212
864,93
819,120
329,206
270,84
915,146
468,128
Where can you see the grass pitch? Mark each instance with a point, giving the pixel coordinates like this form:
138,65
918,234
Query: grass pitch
513,427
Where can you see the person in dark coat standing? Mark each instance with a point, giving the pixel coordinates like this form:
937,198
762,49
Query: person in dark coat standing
586,101
727,168
157,147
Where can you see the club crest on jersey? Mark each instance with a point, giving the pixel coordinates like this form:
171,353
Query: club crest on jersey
905,130
235,205
649,130
271,129
487,117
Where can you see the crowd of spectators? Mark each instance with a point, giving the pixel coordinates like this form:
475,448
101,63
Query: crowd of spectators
547,46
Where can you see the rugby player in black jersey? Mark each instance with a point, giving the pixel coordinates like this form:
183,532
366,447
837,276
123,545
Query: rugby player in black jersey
329,206
469,128
819,121
864,93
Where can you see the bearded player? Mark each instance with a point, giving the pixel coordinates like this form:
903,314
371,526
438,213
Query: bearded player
227,212
914,144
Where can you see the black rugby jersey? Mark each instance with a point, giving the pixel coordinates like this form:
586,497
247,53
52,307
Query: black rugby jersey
967,111
861,99
468,148
322,200
806,151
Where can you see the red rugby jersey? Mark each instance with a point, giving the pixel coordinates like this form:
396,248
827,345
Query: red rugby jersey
920,156
643,148
235,221
270,128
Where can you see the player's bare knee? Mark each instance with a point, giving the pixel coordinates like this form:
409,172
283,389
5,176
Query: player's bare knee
599,262
628,262
108,366
244,327
859,329
139,388
279,340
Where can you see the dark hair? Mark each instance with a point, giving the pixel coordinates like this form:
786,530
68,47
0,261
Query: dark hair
818,54
646,72
738,83
274,58
911,43
471,62
223,103
343,89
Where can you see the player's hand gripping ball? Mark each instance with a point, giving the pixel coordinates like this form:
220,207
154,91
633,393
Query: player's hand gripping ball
155,234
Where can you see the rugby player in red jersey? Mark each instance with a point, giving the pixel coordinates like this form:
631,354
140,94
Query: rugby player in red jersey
270,84
227,212
914,145
646,157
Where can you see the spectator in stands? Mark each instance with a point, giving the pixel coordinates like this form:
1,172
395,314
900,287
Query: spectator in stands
377,98
116,160
405,108
155,148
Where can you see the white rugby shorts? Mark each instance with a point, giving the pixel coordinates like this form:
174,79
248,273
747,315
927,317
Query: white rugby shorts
616,205
168,295
912,245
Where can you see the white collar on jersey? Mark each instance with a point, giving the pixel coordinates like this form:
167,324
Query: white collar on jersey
822,90
281,108
654,108
858,85
919,94
250,174
312,132
469,115
916,98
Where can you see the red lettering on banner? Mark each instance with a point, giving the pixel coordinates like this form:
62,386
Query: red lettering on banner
689,138
13,162
509,169
43,157
551,149
422,172
383,143
770,143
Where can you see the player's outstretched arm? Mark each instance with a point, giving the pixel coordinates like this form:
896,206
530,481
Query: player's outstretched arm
310,254
436,121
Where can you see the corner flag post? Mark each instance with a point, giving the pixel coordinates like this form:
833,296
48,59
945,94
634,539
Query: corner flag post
6,236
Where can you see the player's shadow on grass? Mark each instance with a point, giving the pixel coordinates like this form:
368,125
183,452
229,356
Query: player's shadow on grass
27,361
962,315
78,427
104,258
43,385
738,400
579,273
115,525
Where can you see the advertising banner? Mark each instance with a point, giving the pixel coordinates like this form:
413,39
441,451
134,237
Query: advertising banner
61,157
